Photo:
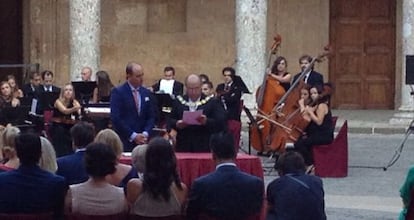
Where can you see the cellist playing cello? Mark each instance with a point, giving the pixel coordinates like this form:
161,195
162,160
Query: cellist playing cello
320,129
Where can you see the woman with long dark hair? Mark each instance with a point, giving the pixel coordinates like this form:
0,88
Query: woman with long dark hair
160,193
102,92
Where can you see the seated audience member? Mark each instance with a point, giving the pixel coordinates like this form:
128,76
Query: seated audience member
31,89
9,147
160,192
138,159
193,135
123,172
168,84
30,189
48,158
67,110
295,195
406,191
226,193
71,166
207,89
97,196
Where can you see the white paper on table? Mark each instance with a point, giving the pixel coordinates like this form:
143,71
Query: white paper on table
191,117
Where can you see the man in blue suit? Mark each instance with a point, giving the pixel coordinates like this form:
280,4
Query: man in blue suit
72,166
312,77
132,110
30,189
227,193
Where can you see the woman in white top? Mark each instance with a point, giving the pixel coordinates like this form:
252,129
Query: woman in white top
96,196
160,192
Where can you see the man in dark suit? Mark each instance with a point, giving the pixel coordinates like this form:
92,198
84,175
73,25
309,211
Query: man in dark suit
30,189
45,101
193,135
72,166
312,77
229,93
31,90
132,110
227,193
169,84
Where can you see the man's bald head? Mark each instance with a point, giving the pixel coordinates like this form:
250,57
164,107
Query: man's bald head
193,86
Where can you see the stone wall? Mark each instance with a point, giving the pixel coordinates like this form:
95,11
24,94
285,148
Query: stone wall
194,36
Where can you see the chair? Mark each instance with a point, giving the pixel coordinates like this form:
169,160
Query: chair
21,216
331,160
172,217
73,216
410,208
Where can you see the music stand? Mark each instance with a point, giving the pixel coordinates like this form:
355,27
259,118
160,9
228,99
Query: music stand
15,115
84,90
47,101
164,103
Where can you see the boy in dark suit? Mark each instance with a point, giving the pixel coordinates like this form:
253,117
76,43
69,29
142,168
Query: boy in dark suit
226,193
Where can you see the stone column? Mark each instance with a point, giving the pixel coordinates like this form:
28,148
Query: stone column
85,18
407,101
251,18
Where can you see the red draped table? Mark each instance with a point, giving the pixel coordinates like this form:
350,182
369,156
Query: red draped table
193,165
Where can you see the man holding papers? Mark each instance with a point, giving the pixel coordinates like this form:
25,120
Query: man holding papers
195,117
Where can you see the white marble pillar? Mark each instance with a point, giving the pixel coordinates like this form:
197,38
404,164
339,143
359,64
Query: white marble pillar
251,18
85,18
407,101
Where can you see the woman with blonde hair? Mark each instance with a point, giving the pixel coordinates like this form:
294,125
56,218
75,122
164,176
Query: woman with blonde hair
9,151
123,172
48,158
67,111
6,96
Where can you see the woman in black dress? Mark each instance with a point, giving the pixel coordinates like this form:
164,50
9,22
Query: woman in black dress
320,129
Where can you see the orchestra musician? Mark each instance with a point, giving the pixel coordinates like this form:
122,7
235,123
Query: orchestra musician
104,85
31,89
312,77
229,93
320,129
67,111
168,84
207,88
279,72
17,92
6,97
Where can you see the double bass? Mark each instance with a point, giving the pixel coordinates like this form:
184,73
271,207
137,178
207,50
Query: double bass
286,116
267,96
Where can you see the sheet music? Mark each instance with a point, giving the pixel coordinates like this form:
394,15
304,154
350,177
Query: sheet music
33,106
191,117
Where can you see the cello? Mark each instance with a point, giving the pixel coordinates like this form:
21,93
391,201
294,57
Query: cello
267,96
286,115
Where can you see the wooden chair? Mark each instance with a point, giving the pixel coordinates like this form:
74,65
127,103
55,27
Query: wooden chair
172,217
73,216
21,216
331,160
